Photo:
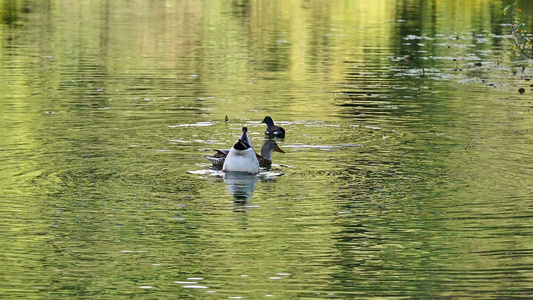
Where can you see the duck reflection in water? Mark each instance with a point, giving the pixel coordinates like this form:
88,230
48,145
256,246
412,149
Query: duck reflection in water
241,185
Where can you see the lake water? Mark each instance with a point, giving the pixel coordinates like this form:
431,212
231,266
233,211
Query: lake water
407,172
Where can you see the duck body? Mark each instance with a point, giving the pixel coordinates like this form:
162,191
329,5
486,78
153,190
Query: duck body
273,130
241,161
241,157
265,159
218,158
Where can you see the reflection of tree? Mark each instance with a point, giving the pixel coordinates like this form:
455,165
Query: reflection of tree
12,12
85,195
87,110
521,39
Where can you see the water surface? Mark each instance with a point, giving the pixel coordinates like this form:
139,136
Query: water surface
407,171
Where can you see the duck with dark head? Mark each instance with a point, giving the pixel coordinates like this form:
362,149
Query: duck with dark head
241,157
273,131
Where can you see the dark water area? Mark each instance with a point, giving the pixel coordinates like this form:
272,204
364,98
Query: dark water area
406,173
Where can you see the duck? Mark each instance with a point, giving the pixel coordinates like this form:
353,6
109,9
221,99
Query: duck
265,159
273,130
241,157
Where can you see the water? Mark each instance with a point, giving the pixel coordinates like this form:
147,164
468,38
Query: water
407,171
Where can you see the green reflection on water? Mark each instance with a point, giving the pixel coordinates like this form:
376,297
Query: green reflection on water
104,107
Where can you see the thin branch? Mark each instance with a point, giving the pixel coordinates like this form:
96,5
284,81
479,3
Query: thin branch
519,38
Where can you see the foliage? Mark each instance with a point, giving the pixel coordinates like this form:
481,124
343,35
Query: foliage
521,39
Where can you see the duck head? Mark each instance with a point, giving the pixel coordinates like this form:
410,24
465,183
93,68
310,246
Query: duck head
268,147
268,120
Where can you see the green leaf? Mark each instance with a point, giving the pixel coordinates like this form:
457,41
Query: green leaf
505,9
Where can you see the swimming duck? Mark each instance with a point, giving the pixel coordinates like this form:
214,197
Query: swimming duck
273,130
241,157
265,159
